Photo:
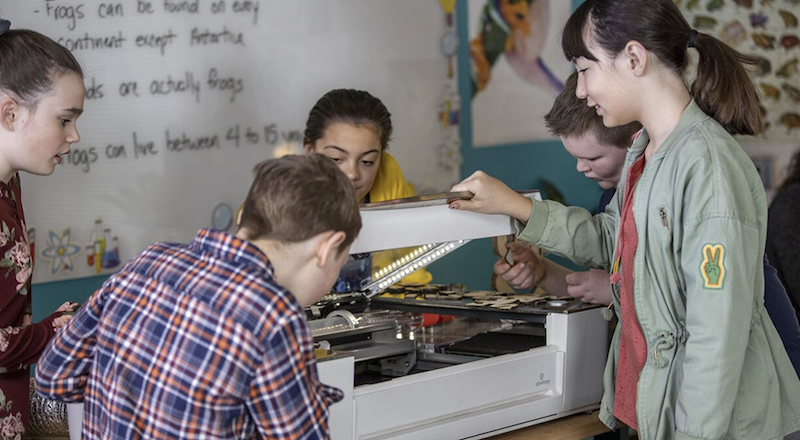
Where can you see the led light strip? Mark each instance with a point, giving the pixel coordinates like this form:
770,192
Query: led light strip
419,258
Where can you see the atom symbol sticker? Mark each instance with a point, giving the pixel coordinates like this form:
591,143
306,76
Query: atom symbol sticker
60,251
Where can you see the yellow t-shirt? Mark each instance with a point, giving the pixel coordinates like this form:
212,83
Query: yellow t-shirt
390,184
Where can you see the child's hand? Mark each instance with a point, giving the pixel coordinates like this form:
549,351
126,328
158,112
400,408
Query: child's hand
591,286
528,269
61,321
491,196
68,307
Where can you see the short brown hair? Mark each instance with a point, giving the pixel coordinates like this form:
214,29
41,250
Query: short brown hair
571,117
296,197
30,64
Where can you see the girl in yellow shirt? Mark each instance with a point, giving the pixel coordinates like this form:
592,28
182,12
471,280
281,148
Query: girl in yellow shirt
353,128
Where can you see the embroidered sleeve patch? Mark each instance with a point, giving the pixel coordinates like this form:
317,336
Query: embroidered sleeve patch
712,268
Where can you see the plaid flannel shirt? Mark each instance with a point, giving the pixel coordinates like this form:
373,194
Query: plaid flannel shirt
190,341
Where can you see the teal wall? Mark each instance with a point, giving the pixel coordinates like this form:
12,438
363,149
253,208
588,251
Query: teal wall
520,166
48,296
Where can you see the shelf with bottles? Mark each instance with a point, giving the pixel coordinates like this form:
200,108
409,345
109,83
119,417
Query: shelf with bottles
102,254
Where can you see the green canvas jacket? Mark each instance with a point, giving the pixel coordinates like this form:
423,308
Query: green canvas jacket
716,367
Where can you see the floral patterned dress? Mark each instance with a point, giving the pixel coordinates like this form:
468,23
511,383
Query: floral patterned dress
21,342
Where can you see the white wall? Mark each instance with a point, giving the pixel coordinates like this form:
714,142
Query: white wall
275,59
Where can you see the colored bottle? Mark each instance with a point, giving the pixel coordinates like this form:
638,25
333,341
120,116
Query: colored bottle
445,106
455,108
99,245
110,258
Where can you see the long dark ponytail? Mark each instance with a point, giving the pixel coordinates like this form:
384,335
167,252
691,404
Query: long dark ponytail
722,88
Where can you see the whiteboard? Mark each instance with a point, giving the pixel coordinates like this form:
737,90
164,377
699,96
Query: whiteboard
184,97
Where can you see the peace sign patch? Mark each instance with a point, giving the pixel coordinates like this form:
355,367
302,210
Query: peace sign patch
712,268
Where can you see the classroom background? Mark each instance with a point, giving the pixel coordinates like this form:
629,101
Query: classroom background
184,97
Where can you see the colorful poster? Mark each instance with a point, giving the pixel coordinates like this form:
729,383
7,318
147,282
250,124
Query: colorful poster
517,68
767,30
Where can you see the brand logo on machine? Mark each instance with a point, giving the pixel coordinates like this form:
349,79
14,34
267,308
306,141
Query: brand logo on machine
542,381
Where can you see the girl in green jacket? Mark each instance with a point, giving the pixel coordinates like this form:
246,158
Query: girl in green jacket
695,355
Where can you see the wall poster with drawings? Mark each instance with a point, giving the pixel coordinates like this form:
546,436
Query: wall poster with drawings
184,97
517,68
768,31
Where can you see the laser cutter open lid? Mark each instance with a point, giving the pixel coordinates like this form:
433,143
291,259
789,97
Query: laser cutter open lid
422,220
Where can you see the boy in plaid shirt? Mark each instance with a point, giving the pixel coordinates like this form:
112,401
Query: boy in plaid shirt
209,339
